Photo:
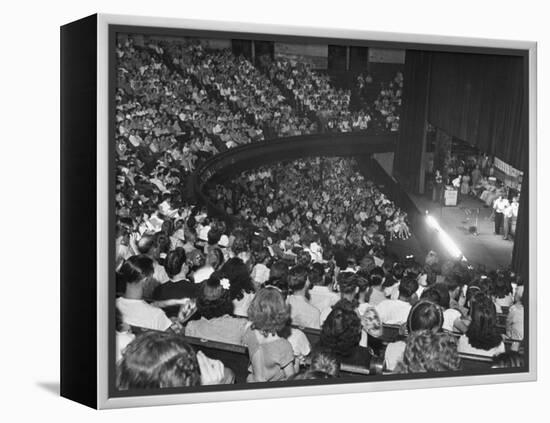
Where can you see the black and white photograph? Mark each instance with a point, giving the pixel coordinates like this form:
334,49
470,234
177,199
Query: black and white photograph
298,211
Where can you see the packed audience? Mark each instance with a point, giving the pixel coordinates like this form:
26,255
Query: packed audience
387,104
193,275
324,199
306,245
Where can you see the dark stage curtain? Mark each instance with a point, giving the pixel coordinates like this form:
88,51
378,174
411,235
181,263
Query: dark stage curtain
408,154
482,100
520,255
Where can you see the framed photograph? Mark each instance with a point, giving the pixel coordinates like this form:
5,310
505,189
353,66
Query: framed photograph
254,211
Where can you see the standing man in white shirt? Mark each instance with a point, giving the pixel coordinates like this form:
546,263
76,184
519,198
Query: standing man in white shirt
499,206
510,213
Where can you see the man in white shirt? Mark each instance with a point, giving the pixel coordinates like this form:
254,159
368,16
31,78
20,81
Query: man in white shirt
302,313
499,207
321,296
136,312
510,213
395,312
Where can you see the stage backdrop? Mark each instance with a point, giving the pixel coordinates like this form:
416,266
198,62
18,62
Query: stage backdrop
481,99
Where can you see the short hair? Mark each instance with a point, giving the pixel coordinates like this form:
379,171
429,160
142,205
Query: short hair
213,236
482,332
297,278
428,351
269,312
135,269
213,300
174,261
146,244
397,271
425,315
324,360
341,331
316,274
278,277
157,360
376,276
408,287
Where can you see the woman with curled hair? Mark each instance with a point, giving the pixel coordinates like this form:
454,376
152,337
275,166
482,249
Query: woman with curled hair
424,315
241,288
214,314
427,351
271,355
161,360
482,337
341,333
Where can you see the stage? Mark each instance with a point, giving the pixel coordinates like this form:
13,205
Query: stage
485,248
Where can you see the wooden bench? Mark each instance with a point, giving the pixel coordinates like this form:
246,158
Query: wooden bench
235,356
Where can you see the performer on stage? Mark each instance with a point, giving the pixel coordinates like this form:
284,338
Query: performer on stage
499,207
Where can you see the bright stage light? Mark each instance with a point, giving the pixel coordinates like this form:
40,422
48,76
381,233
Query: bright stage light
446,240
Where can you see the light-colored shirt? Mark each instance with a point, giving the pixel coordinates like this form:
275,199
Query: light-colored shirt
322,298
139,313
394,354
202,274
393,312
449,317
303,313
260,273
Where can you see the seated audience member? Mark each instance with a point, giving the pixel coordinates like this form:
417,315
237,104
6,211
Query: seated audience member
215,309
502,293
376,279
241,288
349,289
397,311
508,360
124,335
162,360
322,297
177,287
271,355
482,337
214,259
439,294
148,245
135,311
260,271
392,281
302,313
514,320
424,315
341,333
278,277
427,351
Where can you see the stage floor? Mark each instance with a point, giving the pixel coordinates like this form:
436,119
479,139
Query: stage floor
485,248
